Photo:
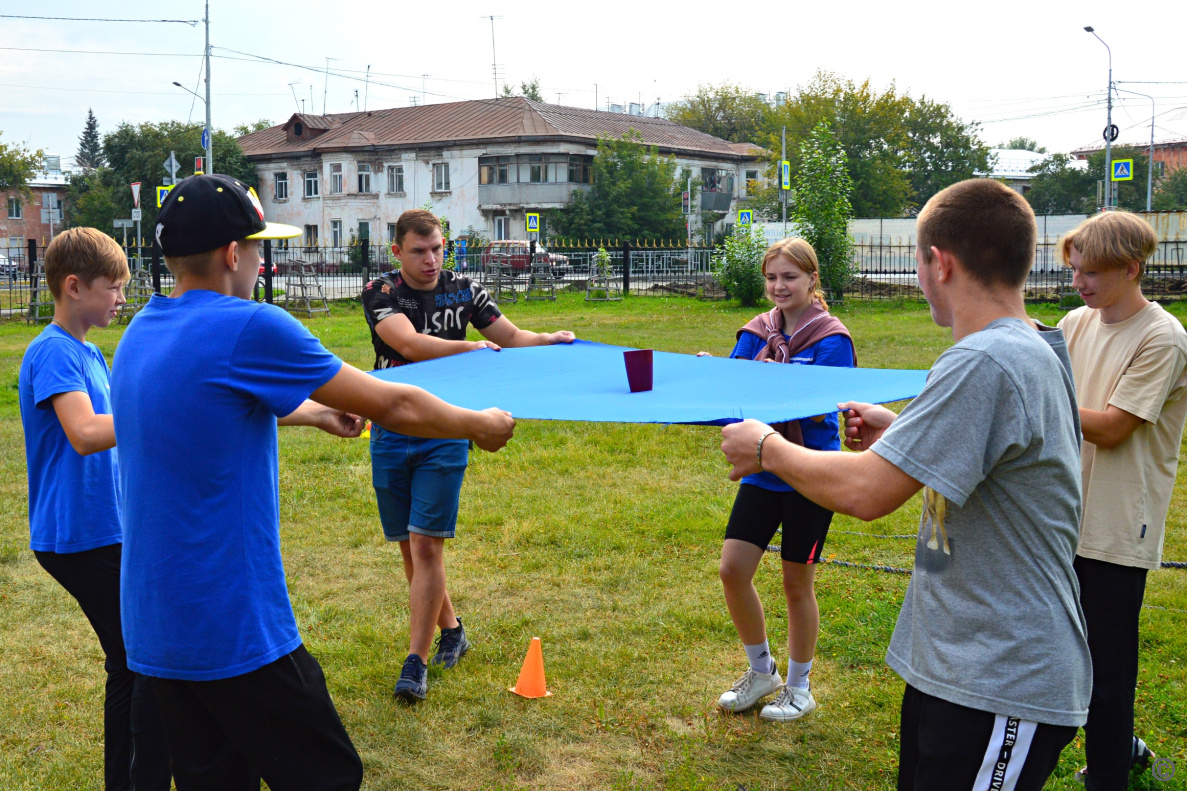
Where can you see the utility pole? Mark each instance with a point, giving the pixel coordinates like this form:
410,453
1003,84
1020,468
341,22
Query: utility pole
1108,128
326,85
494,61
209,129
294,90
783,192
366,87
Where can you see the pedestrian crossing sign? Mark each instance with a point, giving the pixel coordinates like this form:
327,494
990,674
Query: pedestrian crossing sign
1122,170
745,218
161,193
533,223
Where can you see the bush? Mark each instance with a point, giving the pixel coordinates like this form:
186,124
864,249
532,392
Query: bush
739,266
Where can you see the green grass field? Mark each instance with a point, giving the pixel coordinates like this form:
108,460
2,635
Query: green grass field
603,541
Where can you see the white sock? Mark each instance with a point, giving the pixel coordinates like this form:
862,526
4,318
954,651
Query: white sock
760,657
797,673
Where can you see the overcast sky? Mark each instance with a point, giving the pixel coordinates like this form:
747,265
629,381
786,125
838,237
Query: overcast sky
1018,68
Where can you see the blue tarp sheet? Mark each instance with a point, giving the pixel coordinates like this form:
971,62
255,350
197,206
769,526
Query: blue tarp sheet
587,382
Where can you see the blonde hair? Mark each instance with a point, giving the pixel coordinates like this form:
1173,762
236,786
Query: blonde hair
1112,239
86,253
800,253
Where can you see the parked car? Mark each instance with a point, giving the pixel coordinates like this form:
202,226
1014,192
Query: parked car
8,268
515,253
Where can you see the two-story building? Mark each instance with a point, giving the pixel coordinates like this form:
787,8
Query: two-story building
35,214
481,164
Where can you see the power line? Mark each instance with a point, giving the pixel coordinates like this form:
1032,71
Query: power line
190,22
98,52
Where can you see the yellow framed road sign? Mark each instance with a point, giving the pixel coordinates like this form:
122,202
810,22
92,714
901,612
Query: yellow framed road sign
533,223
745,218
161,193
1122,170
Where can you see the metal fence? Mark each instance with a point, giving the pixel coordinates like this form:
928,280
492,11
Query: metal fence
883,271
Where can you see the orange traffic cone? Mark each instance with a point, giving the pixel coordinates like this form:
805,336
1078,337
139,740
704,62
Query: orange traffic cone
531,677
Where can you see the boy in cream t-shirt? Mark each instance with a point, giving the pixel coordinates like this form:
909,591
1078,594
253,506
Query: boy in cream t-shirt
1128,357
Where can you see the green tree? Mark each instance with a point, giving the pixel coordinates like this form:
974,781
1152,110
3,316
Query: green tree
739,266
869,127
899,151
90,147
136,153
821,210
1131,195
17,166
635,194
1023,144
941,149
242,130
1171,193
528,90
1058,188
93,200
727,111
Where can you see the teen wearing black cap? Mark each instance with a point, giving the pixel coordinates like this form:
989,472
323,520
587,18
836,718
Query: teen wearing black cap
202,379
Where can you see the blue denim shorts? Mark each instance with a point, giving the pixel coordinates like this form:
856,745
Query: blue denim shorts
417,483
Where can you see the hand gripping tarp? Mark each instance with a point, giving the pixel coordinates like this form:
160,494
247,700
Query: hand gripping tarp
587,382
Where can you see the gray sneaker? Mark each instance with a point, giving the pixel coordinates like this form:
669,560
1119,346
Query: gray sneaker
749,689
790,704
414,680
451,646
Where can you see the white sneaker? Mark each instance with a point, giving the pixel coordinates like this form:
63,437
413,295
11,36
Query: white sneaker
749,689
790,704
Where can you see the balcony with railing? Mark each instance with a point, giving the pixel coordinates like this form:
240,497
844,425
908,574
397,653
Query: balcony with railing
531,180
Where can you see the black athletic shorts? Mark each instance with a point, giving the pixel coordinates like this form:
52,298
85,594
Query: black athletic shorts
758,512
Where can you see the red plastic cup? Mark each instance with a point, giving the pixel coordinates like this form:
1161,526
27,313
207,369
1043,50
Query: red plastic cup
638,369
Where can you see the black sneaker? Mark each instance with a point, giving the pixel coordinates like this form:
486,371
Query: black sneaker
451,645
1141,756
414,680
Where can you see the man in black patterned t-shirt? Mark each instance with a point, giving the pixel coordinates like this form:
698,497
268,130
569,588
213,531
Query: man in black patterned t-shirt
420,312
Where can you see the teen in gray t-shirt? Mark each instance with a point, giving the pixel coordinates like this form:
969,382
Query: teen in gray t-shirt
992,618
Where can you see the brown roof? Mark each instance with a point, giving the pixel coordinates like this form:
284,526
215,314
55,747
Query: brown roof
481,121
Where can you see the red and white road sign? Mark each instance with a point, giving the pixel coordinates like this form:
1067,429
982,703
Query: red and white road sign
136,194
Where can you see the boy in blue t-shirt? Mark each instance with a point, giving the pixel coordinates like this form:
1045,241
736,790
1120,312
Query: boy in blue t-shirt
202,379
74,517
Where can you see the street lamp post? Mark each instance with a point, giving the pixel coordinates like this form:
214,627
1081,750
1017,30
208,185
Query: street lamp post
1150,164
1108,127
209,137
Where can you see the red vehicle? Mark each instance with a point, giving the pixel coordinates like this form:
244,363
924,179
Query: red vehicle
514,253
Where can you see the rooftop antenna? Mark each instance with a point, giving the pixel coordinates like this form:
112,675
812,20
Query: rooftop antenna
294,90
423,77
595,96
366,87
326,84
312,106
494,61
356,100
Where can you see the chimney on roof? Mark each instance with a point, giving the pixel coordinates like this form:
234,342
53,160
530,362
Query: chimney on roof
636,109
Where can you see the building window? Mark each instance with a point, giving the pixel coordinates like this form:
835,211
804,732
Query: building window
751,181
395,178
14,209
364,177
280,186
502,228
335,233
440,177
537,172
579,167
364,231
391,233
487,172
311,185
1159,169
15,245
336,178
311,236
